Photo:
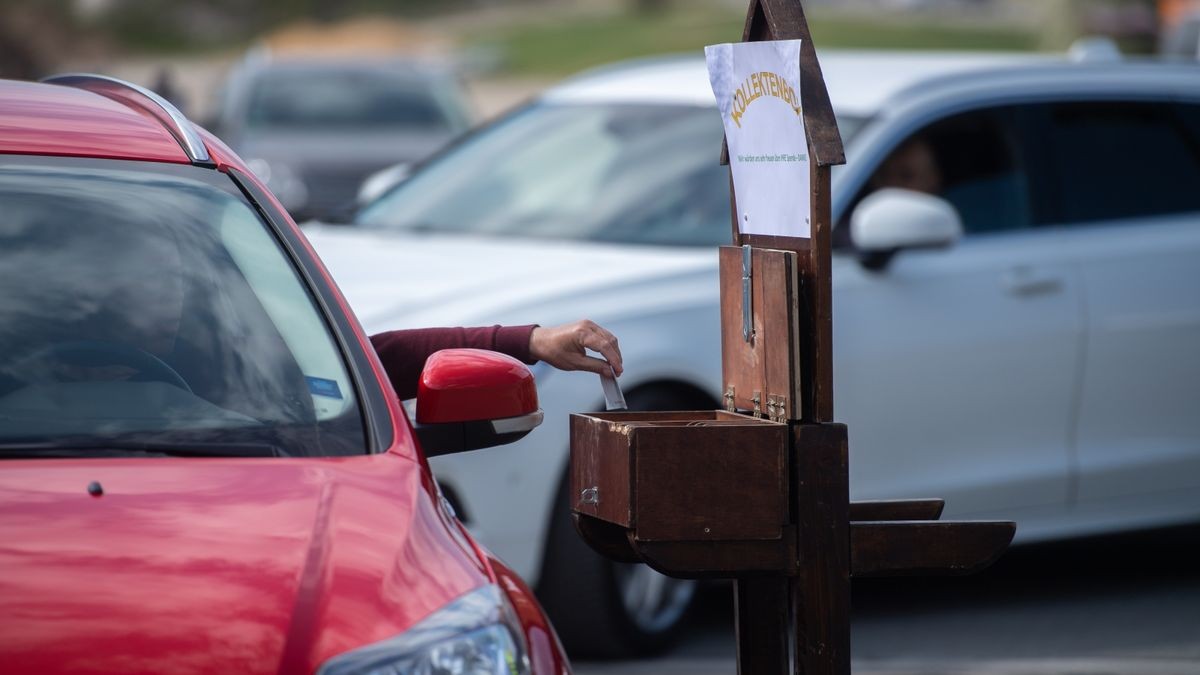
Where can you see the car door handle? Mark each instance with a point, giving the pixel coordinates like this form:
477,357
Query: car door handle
1026,281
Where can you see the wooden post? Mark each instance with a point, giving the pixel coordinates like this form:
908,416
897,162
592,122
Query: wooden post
759,492
820,588
760,624
785,20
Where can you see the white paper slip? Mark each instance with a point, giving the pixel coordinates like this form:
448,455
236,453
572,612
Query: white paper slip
613,398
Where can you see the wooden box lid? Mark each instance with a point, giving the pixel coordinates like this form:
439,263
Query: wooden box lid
761,367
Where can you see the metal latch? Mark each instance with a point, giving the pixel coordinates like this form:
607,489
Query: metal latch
757,400
747,295
590,496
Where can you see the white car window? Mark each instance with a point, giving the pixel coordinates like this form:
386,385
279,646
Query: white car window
973,160
1117,160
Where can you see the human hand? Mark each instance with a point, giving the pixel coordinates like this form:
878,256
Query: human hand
563,347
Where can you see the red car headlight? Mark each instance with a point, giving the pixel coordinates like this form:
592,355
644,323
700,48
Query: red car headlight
477,634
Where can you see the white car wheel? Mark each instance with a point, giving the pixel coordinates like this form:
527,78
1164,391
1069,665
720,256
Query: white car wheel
653,601
603,609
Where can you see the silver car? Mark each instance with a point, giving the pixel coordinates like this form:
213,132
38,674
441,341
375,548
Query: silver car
313,128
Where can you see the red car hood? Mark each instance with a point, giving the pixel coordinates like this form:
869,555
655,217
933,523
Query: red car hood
216,565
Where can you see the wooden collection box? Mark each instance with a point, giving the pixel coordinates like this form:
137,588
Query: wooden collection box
682,476
759,491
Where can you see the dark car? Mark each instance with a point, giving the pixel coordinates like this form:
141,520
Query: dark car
314,128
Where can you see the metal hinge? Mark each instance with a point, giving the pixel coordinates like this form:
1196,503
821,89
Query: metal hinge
777,410
729,404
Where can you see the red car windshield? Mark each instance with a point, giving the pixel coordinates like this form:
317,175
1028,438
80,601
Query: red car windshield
147,308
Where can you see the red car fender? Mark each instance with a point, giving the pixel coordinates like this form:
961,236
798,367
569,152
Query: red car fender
546,653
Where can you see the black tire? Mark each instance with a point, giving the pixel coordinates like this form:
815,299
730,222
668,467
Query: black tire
582,592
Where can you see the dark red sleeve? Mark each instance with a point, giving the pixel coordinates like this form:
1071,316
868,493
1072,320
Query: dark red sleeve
403,352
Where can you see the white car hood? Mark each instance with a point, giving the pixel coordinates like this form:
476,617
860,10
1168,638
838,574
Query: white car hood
397,280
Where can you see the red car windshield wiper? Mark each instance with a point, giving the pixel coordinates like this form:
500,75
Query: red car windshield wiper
123,448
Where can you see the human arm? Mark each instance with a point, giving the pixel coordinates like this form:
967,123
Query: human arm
403,352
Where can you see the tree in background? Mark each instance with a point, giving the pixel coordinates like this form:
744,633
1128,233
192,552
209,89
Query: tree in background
33,35
647,6
168,25
1132,23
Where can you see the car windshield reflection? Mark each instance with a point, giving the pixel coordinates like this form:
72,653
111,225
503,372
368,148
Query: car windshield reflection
620,173
148,307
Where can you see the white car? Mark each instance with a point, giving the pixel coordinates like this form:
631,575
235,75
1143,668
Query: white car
1032,353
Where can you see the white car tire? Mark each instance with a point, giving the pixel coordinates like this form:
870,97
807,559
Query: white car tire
603,609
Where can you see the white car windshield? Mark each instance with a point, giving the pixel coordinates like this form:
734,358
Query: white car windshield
623,173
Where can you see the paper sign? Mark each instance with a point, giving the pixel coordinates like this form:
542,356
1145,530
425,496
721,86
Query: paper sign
757,85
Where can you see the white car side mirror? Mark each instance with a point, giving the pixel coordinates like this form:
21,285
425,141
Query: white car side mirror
892,219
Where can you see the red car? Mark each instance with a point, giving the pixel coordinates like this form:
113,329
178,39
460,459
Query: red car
208,470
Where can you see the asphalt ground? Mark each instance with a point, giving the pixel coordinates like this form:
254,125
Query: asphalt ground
1123,605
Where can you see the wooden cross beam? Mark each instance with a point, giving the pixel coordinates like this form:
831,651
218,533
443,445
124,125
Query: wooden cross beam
713,494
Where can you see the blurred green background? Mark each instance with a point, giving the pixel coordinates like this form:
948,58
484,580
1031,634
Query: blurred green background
506,51
551,37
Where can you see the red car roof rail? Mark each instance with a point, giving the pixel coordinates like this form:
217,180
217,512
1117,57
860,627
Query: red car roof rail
129,94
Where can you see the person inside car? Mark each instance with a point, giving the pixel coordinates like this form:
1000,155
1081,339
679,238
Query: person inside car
912,166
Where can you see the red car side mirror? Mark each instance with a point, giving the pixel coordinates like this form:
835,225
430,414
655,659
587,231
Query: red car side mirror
471,398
